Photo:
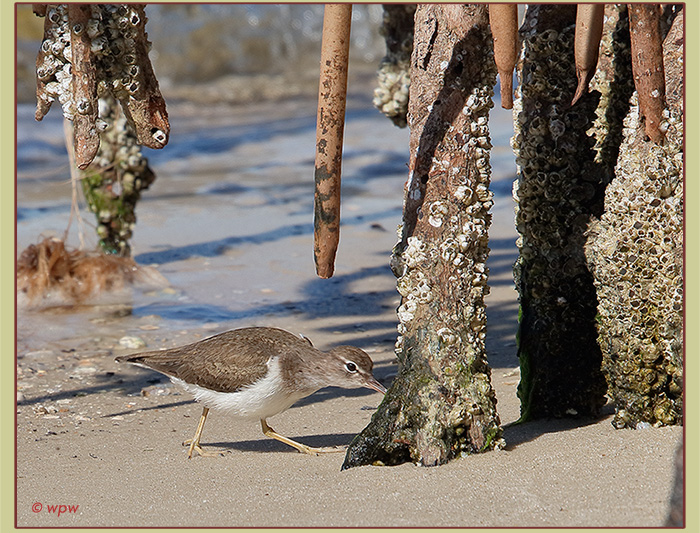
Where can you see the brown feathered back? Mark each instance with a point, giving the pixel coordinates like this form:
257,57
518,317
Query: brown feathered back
224,362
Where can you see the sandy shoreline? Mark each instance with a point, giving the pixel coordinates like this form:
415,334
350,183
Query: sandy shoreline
228,223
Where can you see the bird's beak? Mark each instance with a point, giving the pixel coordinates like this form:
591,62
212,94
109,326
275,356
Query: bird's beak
372,383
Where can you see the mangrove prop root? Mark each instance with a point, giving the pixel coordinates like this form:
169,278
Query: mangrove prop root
635,253
613,80
589,29
394,72
329,134
43,98
94,50
648,66
113,183
39,9
442,405
503,19
85,138
144,106
558,190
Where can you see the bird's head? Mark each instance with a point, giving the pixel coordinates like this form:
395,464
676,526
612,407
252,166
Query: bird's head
351,367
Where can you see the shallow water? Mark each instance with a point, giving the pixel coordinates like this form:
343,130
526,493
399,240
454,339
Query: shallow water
229,222
202,43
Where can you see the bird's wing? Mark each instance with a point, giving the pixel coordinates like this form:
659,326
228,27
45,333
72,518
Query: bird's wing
224,362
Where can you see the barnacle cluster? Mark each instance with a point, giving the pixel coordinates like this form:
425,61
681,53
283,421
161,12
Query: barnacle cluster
557,191
113,183
613,80
446,256
54,71
394,72
635,251
463,218
110,29
91,50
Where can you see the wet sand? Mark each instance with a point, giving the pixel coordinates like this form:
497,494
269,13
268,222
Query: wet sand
229,223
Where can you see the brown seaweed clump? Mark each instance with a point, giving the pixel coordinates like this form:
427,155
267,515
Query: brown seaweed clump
635,252
49,274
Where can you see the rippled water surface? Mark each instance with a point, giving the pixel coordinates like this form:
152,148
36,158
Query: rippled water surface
229,219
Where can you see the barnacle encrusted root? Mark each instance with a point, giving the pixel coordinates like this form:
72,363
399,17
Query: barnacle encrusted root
442,404
394,72
557,191
85,137
93,50
635,252
112,184
614,81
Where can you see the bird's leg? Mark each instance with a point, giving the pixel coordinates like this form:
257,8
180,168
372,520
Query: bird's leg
193,443
303,448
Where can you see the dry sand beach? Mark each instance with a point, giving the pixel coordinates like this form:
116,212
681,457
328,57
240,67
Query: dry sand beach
228,223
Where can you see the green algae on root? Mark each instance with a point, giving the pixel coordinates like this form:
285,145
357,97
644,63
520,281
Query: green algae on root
112,184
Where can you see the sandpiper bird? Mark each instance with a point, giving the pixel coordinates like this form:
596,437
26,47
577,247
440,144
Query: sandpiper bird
257,372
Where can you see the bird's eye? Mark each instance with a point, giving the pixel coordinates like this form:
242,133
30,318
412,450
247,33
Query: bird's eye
350,366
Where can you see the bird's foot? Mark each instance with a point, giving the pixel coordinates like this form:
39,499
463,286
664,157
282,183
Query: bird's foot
195,447
326,449
303,448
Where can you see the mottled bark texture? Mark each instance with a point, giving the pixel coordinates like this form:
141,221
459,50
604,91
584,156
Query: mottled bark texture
635,251
558,190
503,19
648,66
113,182
330,124
86,140
589,30
442,405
